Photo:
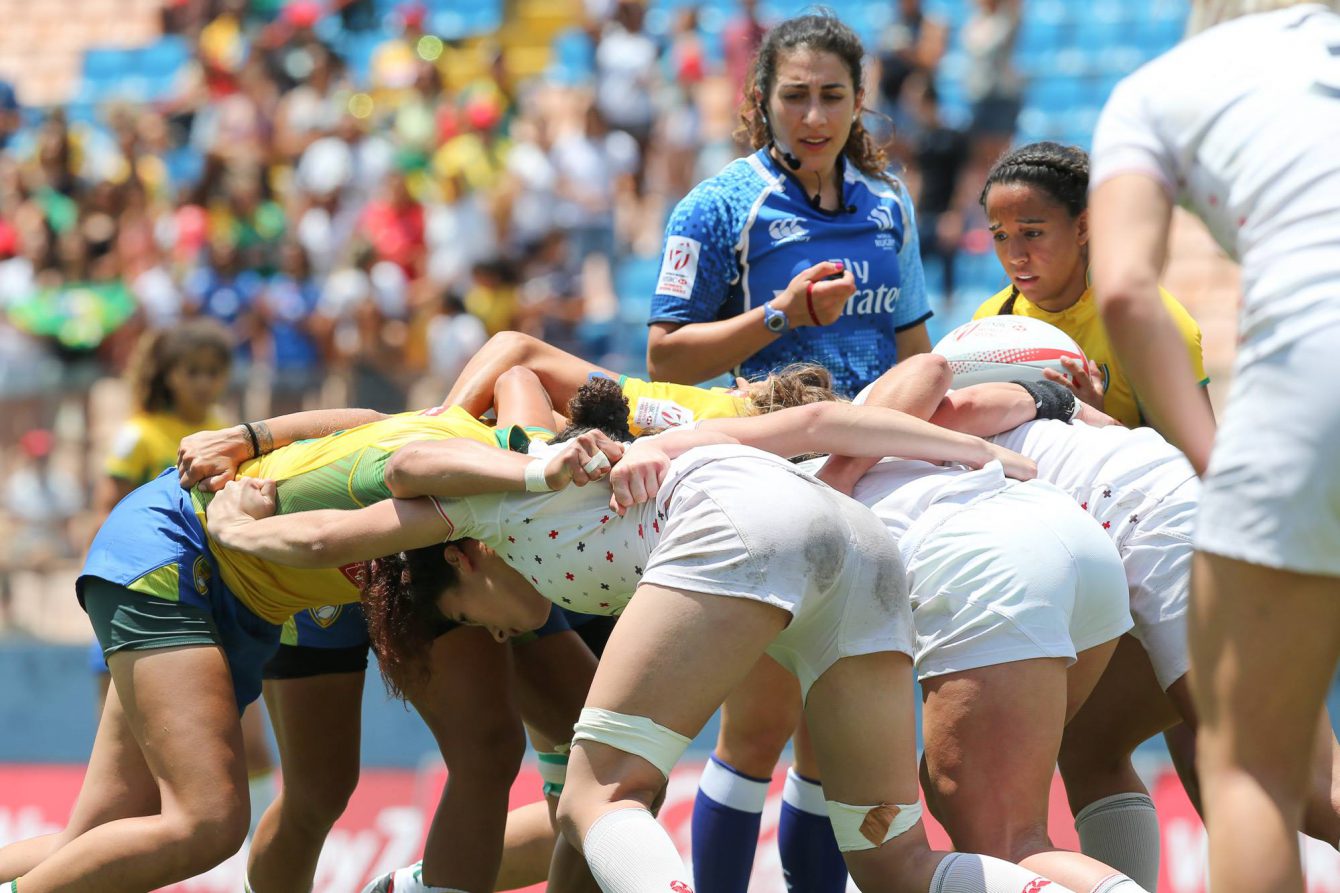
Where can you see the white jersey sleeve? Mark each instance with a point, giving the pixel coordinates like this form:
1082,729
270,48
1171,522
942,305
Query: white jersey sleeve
1126,139
1241,124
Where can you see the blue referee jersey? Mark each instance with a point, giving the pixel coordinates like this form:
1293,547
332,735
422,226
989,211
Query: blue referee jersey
737,239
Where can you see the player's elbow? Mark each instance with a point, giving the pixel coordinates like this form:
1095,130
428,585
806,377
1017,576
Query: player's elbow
512,348
813,418
932,369
517,378
401,471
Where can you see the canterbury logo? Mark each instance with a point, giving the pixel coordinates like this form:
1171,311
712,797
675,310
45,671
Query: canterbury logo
680,887
788,229
882,217
1035,885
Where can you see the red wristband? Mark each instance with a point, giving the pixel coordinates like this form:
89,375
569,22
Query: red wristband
809,302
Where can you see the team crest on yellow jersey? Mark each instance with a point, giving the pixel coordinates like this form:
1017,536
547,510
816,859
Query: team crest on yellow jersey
201,574
326,615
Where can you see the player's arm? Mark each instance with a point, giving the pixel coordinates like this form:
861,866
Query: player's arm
912,341
324,538
865,431
917,386
560,372
211,458
697,351
1130,214
464,467
868,431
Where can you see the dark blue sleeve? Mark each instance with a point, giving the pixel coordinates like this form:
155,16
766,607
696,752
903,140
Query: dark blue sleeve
697,260
913,306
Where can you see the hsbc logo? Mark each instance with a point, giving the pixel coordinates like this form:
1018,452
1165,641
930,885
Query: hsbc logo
882,217
788,229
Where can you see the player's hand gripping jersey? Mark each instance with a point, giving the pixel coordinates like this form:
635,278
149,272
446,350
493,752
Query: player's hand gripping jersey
342,471
147,443
738,239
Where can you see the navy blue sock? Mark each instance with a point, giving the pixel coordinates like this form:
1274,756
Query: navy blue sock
726,815
811,860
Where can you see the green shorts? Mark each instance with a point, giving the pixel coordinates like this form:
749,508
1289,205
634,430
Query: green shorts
126,620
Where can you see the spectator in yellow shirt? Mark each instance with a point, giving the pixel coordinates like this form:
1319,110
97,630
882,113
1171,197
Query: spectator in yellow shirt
1036,202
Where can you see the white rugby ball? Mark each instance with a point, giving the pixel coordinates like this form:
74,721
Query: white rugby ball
1006,348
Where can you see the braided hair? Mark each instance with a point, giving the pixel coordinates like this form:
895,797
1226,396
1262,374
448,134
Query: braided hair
822,32
1062,172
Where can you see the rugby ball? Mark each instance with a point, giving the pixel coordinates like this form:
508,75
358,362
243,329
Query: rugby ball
1006,348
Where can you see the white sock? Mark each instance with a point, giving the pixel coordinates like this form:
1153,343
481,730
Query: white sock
732,789
1122,831
804,794
971,873
630,853
1118,883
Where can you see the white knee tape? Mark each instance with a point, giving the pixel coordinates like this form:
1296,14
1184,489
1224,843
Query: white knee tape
637,735
867,827
554,769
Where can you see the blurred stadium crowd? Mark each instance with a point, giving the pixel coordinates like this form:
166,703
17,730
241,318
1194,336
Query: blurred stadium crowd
362,191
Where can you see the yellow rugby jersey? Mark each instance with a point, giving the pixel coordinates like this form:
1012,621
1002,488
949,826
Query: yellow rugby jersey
342,471
659,404
147,443
1082,322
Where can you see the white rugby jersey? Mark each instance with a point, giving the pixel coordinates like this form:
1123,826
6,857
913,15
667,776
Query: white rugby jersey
575,550
899,491
1114,473
1242,124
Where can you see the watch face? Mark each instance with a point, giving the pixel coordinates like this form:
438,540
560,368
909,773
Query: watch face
776,323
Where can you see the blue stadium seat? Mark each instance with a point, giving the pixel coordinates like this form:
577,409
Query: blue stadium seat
1038,37
1053,94
165,57
108,63
358,52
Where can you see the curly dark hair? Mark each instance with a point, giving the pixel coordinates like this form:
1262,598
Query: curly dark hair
400,595
598,404
1060,171
158,352
824,32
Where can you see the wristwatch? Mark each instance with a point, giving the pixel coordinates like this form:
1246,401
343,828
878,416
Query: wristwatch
774,319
